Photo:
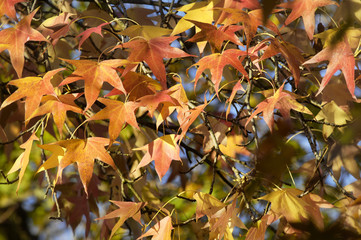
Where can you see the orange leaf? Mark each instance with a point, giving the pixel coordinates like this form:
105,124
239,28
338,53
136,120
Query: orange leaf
23,160
57,106
162,150
280,100
118,114
151,102
39,87
80,151
306,9
126,210
162,230
152,52
7,7
94,74
216,62
14,39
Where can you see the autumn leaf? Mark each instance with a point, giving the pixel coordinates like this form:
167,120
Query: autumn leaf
126,210
137,85
306,9
39,86
152,52
162,150
290,52
232,146
215,36
7,7
80,151
280,100
344,156
207,204
340,56
259,230
147,32
14,39
285,202
151,102
162,230
198,11
236,5
86,34
331,113
216,62
57,26
94,75
57,106
219,130
186,117
118,114
22,161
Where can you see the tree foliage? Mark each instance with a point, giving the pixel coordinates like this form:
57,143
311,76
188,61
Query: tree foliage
213,119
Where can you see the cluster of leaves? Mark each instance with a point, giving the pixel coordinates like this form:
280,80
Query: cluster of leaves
252,134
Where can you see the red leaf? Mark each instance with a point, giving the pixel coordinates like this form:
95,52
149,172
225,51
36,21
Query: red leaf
341,57
14,39
152,52
86,34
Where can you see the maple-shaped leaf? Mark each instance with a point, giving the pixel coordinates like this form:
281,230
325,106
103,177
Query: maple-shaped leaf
94,75
207,204
39,86
7,7
215,36
151,102
147,32
216,62
162,230
340,57
86,34
290,52
152,52
259,230
281,100
57,26
118,114
186,117
162,150
250,20
306,9
22,161
126,210
232,146
331,113
285,202
80,151
198,11
219,129
223,221
236,5
344,156
57,106
137,85
14,39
